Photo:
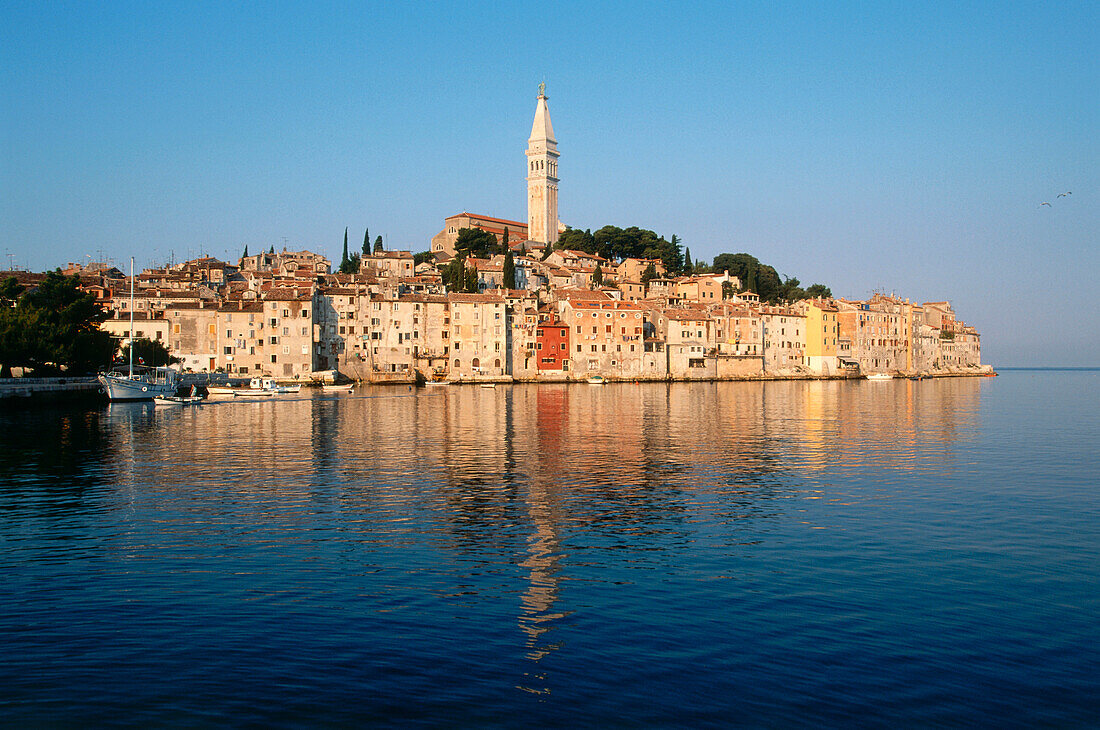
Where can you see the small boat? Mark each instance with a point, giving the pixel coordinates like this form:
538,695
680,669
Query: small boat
220,391
437,382
334,388
488,385
177,400
252,393
597,380
880,376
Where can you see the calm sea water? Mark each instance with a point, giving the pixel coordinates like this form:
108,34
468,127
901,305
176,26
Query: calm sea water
756,554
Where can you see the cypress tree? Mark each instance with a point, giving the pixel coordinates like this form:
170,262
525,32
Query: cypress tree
245,254
597,277
505,248
509,271
688,268
344,260
272,251
366,242
378,245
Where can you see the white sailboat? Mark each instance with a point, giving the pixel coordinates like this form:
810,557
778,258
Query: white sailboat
144,384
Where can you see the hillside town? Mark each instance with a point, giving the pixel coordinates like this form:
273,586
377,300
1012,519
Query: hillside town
527,309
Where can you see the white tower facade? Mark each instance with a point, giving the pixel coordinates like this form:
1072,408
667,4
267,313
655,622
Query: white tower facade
542,176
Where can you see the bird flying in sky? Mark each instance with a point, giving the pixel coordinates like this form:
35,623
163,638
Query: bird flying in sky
1046,204
1062,195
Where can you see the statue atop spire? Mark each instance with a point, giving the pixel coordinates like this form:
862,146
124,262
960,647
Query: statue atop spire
542,90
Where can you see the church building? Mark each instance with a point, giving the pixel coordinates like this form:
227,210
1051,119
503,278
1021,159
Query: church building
542,223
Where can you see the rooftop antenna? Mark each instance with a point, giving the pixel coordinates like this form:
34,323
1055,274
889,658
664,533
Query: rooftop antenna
11,260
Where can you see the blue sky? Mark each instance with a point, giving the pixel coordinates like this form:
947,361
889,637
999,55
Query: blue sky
896,146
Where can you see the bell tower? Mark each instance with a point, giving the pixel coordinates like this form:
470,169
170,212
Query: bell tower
542,175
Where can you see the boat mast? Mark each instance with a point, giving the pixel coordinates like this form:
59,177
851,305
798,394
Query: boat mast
131,317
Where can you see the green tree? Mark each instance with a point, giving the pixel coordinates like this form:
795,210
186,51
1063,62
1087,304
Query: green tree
272,251
471,281
649,274
53,326
688,270
728,291
575,240
378,244
344,262
597,277
475,242
419,258
504,247
454,274
366,242
818,291
148,352
10,290
245,254
756,277
509,271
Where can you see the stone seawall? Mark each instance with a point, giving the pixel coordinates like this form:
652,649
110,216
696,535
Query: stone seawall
21,391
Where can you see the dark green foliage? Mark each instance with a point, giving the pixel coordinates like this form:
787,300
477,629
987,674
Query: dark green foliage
509,271
419,258
728,290
378,244
475,242
53,326
688,270
366,242
597,277
245,254
150,353
348,264
614,243
471,281
763,279
575,240
649,274
10,289
818,291
454,274
272,251
504,247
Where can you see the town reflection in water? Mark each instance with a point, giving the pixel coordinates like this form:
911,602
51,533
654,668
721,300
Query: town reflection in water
527,485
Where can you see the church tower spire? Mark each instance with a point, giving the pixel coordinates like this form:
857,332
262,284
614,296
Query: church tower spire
542,175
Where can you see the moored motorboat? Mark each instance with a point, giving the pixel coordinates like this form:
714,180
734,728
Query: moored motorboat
880,376
596,380
334,388
177,400
488,385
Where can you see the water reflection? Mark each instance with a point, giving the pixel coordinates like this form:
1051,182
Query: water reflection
439,508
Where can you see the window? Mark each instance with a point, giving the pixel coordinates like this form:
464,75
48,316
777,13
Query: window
305,313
